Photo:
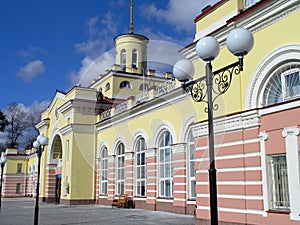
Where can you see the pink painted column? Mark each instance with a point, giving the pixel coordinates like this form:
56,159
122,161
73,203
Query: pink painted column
151,178
50,182
129,173
111,177
179,177
97,180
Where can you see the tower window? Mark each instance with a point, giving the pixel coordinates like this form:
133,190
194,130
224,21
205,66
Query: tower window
134,58
123,60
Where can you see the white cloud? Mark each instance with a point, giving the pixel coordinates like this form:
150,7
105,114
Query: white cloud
181,14
92,68
31,70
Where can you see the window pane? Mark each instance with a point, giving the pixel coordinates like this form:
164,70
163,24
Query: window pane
162,171
162,190
193,188
168,188
192,169
143,159
168,155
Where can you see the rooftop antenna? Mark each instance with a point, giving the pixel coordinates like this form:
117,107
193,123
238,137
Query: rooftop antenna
131,17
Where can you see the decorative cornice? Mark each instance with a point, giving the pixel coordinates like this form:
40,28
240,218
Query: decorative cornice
245,120
78,128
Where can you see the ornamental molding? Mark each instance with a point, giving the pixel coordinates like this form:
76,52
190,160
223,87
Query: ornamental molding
261,22
263,136
78,128
241,121
290,131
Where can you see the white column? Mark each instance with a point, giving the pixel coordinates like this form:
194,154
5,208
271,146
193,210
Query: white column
263,137
292,155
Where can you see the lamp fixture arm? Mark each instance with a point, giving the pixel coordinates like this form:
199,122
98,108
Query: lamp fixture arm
221,82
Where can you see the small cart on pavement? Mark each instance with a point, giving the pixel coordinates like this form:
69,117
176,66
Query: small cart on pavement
123,201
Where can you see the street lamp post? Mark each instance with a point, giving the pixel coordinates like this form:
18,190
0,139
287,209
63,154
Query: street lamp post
239,42
2,162
39,144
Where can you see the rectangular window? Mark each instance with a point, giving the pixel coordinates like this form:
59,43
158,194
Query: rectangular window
278,182
19,168
18,188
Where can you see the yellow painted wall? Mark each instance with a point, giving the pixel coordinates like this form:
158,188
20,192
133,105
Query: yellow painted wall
212,17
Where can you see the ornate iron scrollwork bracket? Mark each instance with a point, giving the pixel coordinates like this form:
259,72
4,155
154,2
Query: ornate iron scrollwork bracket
221,82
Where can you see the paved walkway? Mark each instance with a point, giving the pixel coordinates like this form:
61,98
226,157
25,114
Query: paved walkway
20,212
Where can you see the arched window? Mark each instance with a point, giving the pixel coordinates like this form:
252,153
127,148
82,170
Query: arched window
144,87
191,166
107,87
283,85
125,84
120,170
165,165
104,170
140,159
123,60
134,58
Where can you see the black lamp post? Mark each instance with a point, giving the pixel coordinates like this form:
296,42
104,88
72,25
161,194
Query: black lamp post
39,144
207,89
2,162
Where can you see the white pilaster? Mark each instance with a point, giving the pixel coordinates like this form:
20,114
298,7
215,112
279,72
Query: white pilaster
263,137
292,155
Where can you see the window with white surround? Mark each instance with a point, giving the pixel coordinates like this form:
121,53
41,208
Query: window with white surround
278,182
140,159
123,60
104,171
283,85
120,175
134,58
191,166
165,165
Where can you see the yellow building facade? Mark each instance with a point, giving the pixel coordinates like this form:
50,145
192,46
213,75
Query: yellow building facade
132,132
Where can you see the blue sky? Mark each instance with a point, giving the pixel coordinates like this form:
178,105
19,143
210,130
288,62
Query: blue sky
49,44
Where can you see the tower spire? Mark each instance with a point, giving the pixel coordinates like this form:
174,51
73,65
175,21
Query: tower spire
131,17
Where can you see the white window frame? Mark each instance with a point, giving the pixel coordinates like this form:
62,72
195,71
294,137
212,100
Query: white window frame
123,60
104,171
135,58
120,169
277,200
165,167
140,167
